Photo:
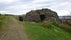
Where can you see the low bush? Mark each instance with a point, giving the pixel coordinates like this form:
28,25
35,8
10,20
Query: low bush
47,24
66,27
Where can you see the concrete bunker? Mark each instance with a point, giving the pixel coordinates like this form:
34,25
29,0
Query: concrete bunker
41,15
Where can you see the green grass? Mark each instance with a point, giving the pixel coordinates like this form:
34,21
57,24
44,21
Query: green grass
37,32
2,17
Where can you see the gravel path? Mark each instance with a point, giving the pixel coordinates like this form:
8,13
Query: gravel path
12,30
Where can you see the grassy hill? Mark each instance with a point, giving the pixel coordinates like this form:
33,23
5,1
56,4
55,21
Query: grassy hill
37,32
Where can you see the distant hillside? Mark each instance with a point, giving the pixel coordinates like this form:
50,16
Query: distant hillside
65,17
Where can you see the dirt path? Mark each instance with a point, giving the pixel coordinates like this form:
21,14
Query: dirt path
12,30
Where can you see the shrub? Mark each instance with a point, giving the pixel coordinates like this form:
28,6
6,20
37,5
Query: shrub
47,24
66,27
55,24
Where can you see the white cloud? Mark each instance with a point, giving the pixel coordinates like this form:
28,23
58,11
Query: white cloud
8,1
40,1
62,12
16,6
2,11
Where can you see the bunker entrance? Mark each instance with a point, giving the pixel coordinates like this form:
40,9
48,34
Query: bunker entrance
20,18
42,17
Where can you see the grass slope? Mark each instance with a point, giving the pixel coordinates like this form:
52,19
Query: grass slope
37,32
2,17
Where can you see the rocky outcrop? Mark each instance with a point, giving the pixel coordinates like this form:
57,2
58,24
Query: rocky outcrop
41,15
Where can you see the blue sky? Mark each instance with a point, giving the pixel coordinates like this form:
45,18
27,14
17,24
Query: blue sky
18,7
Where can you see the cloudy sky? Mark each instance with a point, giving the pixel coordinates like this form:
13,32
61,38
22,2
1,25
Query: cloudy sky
18,7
